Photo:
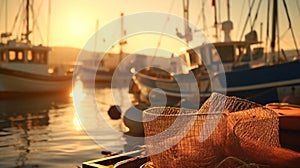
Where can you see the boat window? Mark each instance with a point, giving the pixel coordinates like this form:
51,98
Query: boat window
242,54
12,55
215,55
258,53
246,56
39,57
20,56
44,57
206,54
29,56
36,57
3,56
226,53
194,58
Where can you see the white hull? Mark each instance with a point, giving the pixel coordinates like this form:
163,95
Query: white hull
11,83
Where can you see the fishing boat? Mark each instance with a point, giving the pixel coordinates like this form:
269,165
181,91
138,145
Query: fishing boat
91,71
24,67
236,68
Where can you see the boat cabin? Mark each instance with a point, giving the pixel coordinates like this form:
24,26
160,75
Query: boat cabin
234,55
24,55
16,56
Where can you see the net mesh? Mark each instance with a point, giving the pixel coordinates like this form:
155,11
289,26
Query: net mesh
178,137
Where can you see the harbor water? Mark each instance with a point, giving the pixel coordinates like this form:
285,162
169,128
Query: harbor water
46,130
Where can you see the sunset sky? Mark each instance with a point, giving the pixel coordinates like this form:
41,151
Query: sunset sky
73,22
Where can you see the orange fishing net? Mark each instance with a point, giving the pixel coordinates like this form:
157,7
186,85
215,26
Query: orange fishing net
223,127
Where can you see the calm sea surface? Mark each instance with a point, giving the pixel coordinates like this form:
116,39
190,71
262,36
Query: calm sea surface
45,130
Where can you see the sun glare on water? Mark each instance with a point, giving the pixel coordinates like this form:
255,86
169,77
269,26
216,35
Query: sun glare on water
77,92
77,95
76,123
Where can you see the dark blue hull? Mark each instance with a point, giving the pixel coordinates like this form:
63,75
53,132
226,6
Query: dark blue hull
261,96
261,84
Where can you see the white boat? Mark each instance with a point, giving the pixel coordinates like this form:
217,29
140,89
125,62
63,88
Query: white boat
99,74
24,66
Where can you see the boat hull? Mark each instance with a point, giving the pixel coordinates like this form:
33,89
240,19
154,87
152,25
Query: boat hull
22,82
94,75
168,92
264,84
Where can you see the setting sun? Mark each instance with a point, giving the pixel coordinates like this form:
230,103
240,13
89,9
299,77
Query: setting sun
77,26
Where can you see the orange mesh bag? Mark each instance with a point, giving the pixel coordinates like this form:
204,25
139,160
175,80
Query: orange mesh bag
178,137
251,128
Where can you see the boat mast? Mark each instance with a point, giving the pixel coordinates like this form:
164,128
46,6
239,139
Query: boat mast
27,22
49,21
274,25
122,42
228,10
6,16
187,30
216,19
290,27
227,25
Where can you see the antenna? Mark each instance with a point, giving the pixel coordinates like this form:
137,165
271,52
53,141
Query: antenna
49,21
96,35
187,30
123,33
6,16
216,19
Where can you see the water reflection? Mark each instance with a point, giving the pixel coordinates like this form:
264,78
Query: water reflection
23,124
45,131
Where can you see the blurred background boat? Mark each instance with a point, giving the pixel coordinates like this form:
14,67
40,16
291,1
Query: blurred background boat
100,67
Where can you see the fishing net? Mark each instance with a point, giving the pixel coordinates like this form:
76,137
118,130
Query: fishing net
221,128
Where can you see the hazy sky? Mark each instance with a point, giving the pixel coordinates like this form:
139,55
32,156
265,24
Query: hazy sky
73,22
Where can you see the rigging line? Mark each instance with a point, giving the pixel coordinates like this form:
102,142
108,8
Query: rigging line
17,17
35,19
256,14
40,33
35,15
267,30
22,21
199,16
198,20
284,33
219,3
250,19
249,15
290,26
240,21
163,28
298,7
203,15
